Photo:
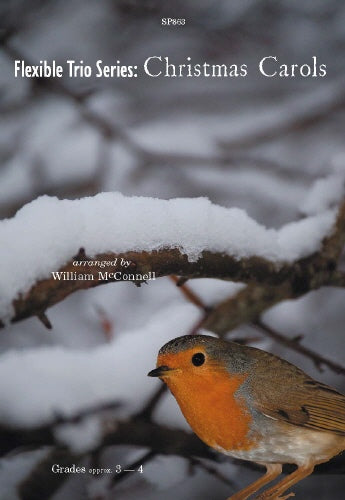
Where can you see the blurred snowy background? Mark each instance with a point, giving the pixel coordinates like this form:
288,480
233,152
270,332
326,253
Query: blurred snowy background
254,143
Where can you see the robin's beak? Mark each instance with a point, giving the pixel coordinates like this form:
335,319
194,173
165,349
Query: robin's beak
160,371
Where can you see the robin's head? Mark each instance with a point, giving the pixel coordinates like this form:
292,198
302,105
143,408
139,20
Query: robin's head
197,355
203,373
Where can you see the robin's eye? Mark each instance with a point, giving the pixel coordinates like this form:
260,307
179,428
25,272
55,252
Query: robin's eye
198,359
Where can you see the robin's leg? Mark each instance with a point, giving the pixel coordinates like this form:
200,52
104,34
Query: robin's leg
276,491
272,471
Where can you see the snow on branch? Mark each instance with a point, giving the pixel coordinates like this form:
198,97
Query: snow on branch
186,237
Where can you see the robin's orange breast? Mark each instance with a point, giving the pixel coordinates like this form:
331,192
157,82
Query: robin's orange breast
211,408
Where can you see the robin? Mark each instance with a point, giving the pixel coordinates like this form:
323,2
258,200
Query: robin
252,405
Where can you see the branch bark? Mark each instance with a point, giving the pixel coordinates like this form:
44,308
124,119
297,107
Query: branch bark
279,280
47,292
311,273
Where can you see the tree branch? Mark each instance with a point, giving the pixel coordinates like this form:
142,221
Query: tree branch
245,306
295,345
304,275
47,292
302,118
211,470
136,432
42,483
338,279
293,279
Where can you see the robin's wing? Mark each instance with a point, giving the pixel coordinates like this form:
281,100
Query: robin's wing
294,397
319,407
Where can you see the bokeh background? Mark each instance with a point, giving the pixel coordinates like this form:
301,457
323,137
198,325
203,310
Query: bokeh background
256,143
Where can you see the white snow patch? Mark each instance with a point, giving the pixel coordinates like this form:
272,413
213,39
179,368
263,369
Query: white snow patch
81,437
325,194
47,232
304,237
15,468
54,381
154,471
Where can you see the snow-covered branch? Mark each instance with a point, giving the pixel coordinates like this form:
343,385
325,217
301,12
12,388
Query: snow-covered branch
53,248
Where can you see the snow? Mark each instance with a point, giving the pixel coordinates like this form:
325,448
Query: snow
53,381
82,437
15,468
48,146
47,232
303,237
177,473
324,194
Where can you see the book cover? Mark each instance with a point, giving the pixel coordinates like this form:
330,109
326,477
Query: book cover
171,169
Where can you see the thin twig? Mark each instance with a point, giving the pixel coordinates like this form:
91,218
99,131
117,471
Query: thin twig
147,412
107,324
245,306
87,412
190,295
212,470
302,118
294,344
44,320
